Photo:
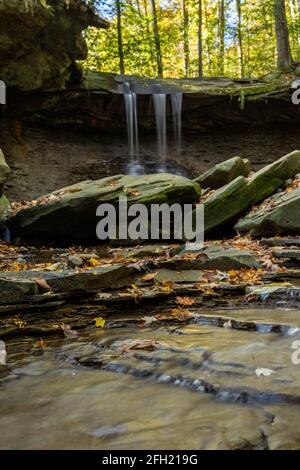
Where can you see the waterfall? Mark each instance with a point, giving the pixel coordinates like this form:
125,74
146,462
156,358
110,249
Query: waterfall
160,109
131,119
176,100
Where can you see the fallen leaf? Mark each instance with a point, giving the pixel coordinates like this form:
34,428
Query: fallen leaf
68,332
132,192
148,277
99,322
19,322
264,372
42,283
180,314
40,344
146,345
186,301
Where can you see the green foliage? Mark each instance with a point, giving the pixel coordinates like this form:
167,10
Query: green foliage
258,36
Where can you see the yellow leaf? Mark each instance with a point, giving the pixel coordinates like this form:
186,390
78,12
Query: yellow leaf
99,322
93,262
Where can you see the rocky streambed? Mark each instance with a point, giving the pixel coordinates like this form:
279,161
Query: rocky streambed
151,346
154,345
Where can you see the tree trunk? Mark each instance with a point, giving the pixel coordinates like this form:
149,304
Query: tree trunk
207,38
240,38
298,2
221,36
120,39
200,44
186,47
157,40
284,56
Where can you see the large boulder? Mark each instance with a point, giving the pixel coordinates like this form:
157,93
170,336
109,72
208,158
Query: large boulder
225,205
280,215
224,173
70,214
40,40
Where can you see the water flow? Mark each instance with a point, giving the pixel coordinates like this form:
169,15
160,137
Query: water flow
132,127
176,100
160,109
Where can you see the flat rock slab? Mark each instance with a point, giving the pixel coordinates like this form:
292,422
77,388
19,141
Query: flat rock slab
288,242
13,289
213,258
281,216
287,254
16,286
70,213
275,292
192,276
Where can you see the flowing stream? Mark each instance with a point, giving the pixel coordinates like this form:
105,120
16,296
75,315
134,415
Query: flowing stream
197,390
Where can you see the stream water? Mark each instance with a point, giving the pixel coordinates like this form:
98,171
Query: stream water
197,390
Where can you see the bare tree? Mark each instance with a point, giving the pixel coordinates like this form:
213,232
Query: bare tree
284,55
157,40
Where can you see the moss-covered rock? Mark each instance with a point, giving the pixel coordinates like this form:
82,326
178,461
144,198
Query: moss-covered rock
225,205
4,206
224,173
70,214
40,40
4,171
281,215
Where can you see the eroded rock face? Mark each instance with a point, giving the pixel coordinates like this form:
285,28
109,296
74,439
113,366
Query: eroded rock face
4,173
4,170
224,173
70,214
40,41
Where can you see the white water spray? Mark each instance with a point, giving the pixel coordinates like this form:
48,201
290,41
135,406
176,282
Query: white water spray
160,109
176,100
131,119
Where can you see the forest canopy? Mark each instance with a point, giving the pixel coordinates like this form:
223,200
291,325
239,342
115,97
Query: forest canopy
192,38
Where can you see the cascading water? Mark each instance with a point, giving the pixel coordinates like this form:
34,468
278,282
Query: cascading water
176,100
132,128
160,109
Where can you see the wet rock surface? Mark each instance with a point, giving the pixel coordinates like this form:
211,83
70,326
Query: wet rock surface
129,334
281,216
70,213
203,377
224,173
225,205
